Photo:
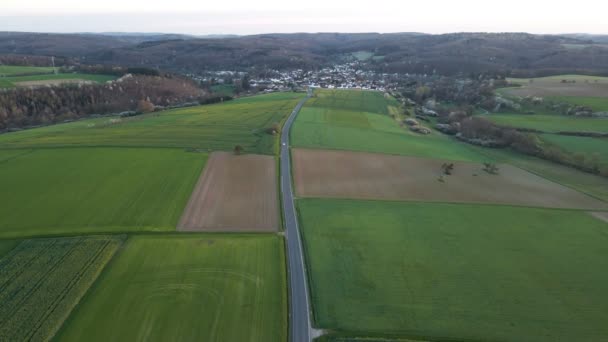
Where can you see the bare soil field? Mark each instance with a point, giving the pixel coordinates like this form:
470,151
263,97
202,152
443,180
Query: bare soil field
51,82
342,174
234,193
601,215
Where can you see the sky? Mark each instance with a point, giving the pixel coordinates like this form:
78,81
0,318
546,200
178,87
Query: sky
272,16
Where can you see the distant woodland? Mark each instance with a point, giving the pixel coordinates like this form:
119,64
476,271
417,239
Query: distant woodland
25,107
517,54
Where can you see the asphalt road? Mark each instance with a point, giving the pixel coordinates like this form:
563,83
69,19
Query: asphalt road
299,306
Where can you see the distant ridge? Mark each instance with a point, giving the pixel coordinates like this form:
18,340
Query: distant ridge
519,53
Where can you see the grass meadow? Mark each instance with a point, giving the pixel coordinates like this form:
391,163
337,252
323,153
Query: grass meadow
550,123
42,280
12,70
589,147
187,288
599,104
86,190
456,272
211,127
359,121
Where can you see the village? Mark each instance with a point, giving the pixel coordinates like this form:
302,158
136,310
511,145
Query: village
341,76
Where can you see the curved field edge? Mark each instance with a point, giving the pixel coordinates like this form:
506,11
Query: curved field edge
42,280
393,268
211,287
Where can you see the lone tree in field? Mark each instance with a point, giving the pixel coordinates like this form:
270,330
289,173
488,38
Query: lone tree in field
447,168
490,168
238,149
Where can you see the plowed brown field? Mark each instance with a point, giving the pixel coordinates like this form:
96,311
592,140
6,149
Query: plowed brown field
234,193
341,174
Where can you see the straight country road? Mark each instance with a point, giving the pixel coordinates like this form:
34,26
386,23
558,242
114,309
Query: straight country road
300,328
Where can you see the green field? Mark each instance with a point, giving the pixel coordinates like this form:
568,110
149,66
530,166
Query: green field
599,104
187,288
359,121
80,190
211,127
10,82
456,272
589,147
12,70
550,123
42,280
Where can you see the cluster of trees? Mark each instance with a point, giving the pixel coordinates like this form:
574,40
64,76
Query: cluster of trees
466,94
460,91
483,132
26,107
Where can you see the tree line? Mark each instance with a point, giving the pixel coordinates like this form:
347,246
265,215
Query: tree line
27,107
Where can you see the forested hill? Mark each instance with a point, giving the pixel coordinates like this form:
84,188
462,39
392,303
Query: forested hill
399,52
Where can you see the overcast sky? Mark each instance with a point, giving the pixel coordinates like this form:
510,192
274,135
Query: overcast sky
264,16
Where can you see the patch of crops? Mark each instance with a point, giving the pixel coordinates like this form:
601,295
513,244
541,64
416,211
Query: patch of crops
41,280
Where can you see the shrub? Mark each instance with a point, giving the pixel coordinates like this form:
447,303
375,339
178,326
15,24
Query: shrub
145,106
447,168
490,168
